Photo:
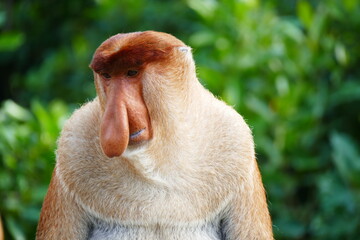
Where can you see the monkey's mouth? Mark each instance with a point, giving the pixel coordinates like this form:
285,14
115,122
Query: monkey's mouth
134,135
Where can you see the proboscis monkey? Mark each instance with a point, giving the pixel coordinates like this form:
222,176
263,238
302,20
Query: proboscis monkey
155,155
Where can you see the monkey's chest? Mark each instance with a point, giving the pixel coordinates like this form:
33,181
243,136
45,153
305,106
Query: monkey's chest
207,231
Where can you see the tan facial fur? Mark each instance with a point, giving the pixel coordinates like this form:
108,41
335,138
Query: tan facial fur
155,155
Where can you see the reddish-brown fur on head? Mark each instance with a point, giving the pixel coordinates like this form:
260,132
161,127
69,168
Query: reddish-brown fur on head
121,95
133,50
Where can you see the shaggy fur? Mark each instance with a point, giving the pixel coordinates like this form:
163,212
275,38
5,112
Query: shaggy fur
196,179
1,230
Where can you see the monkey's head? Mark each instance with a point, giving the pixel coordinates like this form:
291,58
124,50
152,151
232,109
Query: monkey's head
127,67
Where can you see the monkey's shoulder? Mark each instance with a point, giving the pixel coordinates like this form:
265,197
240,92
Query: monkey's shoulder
79,136
84,122
230,134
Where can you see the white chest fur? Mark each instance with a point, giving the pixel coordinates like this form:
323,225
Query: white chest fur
208,231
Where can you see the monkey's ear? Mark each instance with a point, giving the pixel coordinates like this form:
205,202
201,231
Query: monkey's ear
100,90
185,49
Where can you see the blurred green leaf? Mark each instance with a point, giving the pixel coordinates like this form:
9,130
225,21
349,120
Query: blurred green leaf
340,54
350,4
305,13
231,92
291,229
202,38
205,8
346,157
10,161
15,229
5,180
348,92
2,17
260,108
10,41
16,111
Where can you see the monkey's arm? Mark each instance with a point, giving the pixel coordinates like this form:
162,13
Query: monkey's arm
248,216
61,217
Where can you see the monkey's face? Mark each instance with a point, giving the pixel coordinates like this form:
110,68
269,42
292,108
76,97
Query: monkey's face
125,119
119,65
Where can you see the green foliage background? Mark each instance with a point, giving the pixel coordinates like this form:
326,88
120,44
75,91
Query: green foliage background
291,68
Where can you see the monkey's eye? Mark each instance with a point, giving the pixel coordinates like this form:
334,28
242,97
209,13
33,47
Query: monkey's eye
106,75
131,73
